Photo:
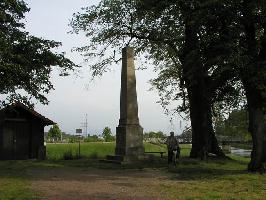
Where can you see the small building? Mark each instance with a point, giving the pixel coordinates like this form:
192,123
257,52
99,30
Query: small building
22,133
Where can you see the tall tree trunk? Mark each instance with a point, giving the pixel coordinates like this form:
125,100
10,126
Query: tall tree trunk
258,154
253,79
195,76
257,128
203,138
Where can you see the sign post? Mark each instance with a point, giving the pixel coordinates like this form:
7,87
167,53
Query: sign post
79,132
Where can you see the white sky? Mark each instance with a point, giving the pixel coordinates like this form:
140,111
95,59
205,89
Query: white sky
75,95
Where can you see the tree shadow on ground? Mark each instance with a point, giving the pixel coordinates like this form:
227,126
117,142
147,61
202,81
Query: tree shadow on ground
199,173
213,168
187,169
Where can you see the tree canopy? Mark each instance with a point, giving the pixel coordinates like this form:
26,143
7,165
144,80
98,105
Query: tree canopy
55,132
235,126
159,30
206,52
156,29
25,61
107,135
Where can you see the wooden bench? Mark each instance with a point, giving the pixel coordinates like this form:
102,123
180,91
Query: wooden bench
160,152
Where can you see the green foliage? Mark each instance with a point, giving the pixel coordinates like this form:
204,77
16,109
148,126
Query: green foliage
153,134
207,53
157,30
55,132
186,135
235,126
26,61
107,135
93,138
190,42
69,155
73,138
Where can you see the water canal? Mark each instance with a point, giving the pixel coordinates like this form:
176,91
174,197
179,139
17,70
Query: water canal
240,152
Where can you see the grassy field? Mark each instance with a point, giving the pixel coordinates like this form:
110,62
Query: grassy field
13,182
191,179
99,149
90,150
87,150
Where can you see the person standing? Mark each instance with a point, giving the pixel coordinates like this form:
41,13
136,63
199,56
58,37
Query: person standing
172,145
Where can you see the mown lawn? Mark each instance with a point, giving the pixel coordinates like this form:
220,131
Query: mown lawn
100,149
13,181
87,150
191,179
216,179
91,150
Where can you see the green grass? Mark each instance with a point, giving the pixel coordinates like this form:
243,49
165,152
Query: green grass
87,150
215,179
90,150
13,181
191,179
15,188
100,149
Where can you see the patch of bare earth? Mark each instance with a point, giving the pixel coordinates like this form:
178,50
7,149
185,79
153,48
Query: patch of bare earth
95,184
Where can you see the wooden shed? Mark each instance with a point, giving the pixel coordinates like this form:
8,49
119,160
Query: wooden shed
22,133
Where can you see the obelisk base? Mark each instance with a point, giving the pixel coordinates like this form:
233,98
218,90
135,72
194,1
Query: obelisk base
129,142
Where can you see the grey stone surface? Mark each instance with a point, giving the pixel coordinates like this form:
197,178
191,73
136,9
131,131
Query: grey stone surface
129,134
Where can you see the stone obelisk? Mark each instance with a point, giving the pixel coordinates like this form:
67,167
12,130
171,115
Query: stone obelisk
129,133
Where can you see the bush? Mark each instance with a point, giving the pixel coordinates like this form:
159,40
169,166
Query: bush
93,138
69,155
93,155
72,139
107,135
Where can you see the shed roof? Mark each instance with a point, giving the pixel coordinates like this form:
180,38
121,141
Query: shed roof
32,112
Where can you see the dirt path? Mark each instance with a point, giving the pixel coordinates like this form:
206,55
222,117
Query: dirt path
94,184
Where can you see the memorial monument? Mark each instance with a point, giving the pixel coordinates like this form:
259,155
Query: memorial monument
129,133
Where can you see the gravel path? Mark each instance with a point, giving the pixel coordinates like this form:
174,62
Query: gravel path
94,184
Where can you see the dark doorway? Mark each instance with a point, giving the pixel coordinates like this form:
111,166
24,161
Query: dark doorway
16,140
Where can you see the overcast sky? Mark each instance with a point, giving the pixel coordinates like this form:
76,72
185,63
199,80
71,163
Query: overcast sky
75,96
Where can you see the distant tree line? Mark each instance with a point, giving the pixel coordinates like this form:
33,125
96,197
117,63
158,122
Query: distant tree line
186,136
107,135
55,135
234,127
152,134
